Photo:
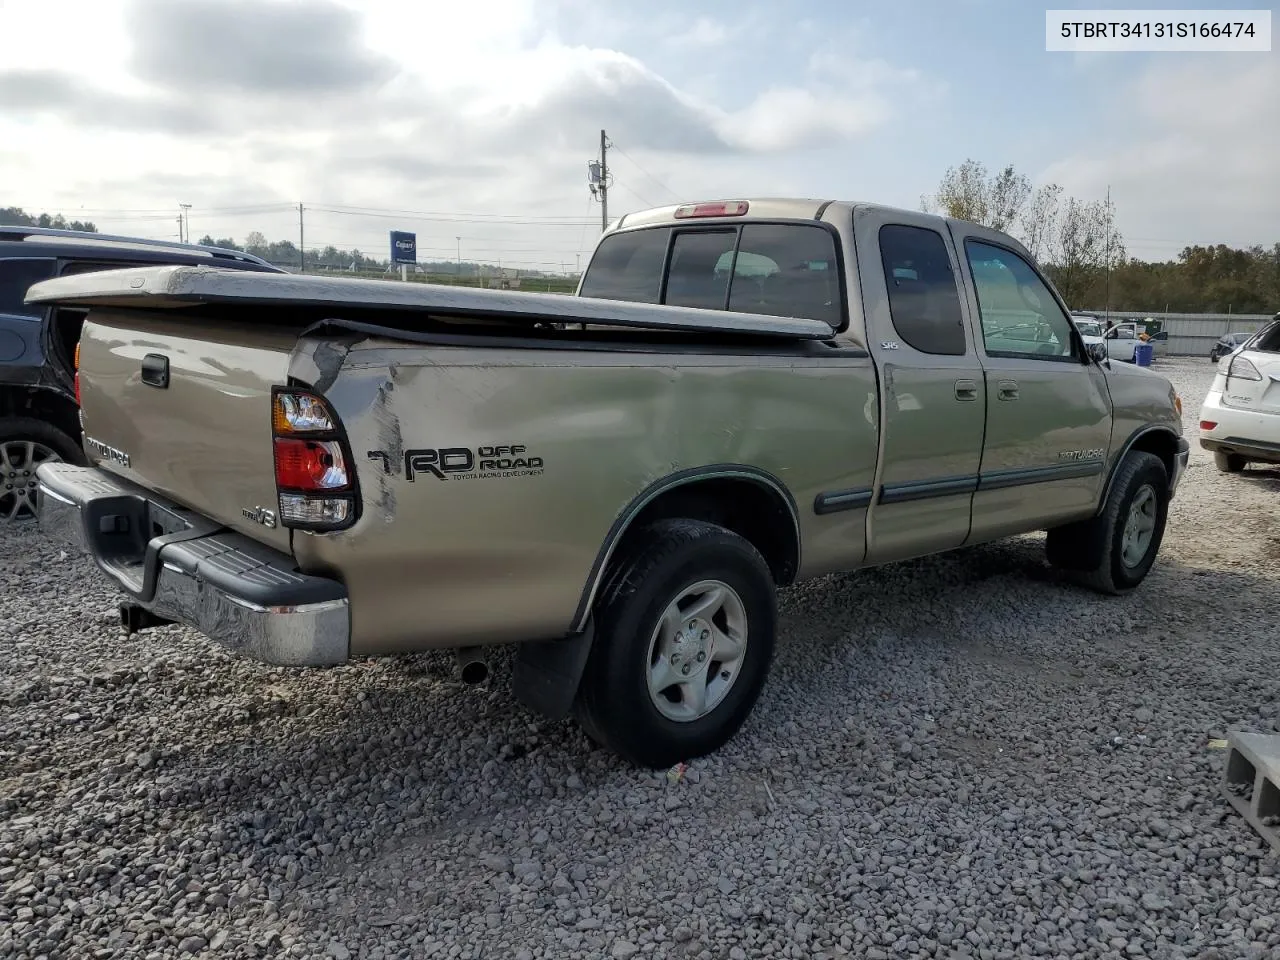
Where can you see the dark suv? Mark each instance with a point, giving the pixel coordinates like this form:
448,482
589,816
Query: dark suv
39,417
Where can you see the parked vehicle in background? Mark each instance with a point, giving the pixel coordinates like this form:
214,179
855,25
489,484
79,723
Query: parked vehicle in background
39,421
1090,327
1226,344
1091,330
1122,341
314,469
1240,416
1114,341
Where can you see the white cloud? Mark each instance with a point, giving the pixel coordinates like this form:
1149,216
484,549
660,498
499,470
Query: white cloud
705,32
378,103
1188,149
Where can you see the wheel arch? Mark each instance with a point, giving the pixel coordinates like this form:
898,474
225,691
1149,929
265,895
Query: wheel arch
1159,440
42,403
747,500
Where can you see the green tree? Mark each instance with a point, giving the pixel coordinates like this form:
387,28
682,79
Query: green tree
17,217
226,243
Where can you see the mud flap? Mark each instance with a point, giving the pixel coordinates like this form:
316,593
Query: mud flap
547,672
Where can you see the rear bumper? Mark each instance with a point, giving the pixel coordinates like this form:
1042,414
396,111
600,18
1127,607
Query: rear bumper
183,567
1250,433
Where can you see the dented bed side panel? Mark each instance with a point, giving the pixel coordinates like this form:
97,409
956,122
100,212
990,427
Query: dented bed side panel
490,478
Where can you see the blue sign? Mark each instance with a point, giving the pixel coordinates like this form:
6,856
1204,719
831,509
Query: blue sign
404,247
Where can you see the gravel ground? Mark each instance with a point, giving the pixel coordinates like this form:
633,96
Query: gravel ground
955,757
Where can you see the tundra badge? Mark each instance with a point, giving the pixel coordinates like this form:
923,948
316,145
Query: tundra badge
107,452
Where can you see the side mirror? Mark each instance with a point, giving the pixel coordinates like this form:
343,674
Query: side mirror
1097,351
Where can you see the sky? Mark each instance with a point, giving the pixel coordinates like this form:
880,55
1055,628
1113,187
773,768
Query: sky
472,124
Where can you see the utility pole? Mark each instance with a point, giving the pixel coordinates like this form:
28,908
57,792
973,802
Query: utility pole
604,185
598,181
459,270
184,223
180,228
302,251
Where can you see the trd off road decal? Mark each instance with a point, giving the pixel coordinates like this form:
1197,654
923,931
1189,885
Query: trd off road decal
464,463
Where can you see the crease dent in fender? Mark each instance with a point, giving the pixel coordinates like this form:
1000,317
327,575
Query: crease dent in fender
391,441
328,360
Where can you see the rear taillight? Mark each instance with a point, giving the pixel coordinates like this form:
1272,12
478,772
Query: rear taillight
1208,424
1241,368
315,479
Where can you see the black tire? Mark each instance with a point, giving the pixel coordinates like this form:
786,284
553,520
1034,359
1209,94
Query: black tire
1229,462
662,561
22,429
1090,551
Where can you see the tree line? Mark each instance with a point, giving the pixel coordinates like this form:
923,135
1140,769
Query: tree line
1080,246
1076,241
17,217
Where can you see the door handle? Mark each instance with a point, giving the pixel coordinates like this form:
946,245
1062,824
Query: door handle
155,370
966,390
1007,390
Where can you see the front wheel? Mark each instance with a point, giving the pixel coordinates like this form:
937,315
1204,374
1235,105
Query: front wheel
1114,551
684,637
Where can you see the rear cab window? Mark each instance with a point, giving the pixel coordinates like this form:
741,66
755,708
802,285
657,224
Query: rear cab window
16,277
924,301
777,269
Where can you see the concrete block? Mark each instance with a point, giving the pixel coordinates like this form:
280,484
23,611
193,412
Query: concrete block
1251,780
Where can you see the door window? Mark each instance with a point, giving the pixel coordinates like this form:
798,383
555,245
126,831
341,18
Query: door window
924,302
1020,317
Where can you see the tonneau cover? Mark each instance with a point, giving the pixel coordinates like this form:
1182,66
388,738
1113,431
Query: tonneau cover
173,287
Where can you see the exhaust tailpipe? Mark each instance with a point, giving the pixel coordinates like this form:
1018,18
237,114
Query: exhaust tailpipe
135,617
472,666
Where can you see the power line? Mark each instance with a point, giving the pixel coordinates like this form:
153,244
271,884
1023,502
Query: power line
496,218
636,164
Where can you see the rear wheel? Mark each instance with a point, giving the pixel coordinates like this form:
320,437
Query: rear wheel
684,638
1114,551
25,443
1229,462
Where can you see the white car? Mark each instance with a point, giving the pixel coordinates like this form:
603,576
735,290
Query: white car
1120,341
1240,418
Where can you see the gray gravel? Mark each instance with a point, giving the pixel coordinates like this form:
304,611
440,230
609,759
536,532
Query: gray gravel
954,757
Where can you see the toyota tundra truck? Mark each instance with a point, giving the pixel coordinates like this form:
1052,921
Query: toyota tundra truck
741,395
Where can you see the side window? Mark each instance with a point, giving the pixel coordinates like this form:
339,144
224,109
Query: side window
788,271
699,271
1020,318
924,301
16,277
627,266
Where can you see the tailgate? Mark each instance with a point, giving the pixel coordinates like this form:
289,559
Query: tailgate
200,436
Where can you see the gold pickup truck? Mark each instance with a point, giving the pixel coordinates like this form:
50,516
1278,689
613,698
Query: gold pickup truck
742,394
